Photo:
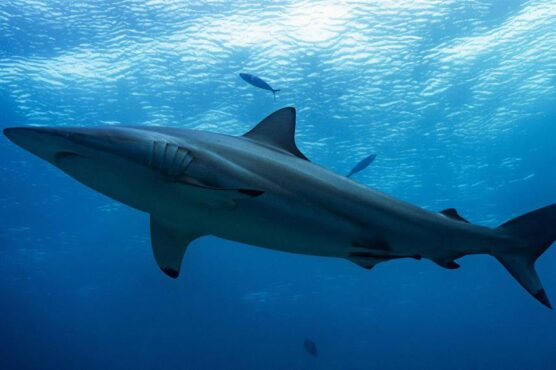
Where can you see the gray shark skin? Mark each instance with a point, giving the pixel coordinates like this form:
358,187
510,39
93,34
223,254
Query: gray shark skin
259,189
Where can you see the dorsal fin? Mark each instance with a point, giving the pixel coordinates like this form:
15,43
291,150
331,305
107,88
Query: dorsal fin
453,214
277,130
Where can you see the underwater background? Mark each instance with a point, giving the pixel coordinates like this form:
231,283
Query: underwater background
456,98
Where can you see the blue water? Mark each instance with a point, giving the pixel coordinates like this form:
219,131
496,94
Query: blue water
457,98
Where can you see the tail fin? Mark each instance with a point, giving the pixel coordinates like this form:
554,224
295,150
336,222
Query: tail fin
535,232
274,91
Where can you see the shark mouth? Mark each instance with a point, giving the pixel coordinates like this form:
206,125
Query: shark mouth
64,155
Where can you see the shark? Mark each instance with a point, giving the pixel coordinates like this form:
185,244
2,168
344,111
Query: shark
261,190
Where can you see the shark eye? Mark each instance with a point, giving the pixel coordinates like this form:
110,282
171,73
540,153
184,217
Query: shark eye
170,159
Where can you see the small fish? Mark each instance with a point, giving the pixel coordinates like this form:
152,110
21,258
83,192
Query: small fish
310,347
257,82
364,163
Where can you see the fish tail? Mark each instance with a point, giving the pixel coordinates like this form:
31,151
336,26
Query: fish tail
534,232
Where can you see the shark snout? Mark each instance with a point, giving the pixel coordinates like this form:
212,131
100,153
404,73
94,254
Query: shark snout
98,143
23,135
44,142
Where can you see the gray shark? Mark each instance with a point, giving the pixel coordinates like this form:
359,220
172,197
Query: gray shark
259,189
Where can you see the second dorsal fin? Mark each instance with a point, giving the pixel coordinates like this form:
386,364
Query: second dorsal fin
453,214
277,130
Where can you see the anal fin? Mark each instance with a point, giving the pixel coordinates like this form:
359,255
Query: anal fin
447,264
169,245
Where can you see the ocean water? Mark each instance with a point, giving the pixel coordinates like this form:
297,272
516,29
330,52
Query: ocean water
457,98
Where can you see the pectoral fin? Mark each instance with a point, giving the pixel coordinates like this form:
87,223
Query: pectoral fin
366,264
169,245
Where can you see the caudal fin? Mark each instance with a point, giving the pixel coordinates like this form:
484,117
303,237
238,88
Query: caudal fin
533,233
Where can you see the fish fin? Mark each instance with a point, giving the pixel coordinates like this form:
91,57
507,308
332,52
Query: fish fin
361,165
447,264
278,131
366,264
169,245
534,232
453,214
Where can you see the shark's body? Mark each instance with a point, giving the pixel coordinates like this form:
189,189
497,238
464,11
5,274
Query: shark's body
259,189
